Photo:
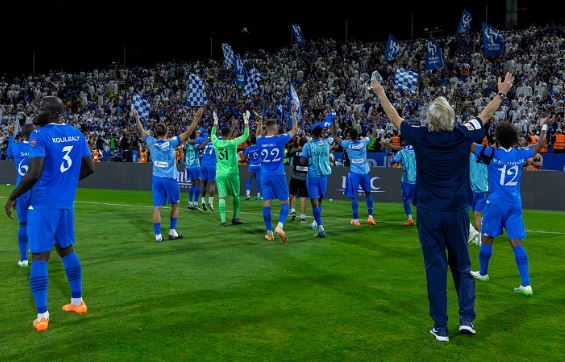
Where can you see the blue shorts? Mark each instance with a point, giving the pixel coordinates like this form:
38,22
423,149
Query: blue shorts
255,171
165,190
354,180
22,204
208,173
47,227
407,191
274,187
193,173
316,186
497,217
479,201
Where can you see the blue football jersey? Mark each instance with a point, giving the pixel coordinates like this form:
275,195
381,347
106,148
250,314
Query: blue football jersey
163,156
192,155
253,154
272,154
407,158
19,152
63,147
357,152
209,155
504,174
318,154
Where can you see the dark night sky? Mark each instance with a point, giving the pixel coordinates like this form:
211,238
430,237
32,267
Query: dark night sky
75,35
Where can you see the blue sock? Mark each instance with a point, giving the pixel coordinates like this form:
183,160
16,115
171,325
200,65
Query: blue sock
196,194
74,274
355,208
407,209
174,222
522,263
157,228
283,213
258,184
267,218
191,193
370,205
317,215
22,241
38,280
248,184
484,258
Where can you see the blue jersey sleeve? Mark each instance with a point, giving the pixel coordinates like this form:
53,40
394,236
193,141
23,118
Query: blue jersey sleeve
526,152
473,129
37,148
284,139
344,144
366,141
9,151
305,154
398,157
150,141
478,149
246,151
175,141
85,149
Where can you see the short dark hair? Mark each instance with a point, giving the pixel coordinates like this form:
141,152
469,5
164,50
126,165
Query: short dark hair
317,131
303,141
271,123
506,135
192,135
354,134
226,131
27,129
160,129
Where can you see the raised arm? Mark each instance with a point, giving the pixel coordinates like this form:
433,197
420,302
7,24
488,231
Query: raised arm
542,137
374,134
140,128
389,109
239,140
334,132
392,147
258,124
503,88
294,129
193,125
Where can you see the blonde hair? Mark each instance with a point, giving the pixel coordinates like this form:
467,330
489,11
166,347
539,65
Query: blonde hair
441,116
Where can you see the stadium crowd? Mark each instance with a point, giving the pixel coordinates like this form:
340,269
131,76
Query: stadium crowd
328,76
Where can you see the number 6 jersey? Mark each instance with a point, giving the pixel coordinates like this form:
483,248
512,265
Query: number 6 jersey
504,173
63,147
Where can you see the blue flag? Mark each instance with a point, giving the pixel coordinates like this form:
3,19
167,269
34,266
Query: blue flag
434,59
293,99
196,94
326,123
493,41
405,80
240,72
465,23
229,56
141,106
298,36
392,49
252,85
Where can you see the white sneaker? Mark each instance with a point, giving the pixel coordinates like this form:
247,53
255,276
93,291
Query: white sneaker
158,238
524,290
314,225
477,275
211,207
23,263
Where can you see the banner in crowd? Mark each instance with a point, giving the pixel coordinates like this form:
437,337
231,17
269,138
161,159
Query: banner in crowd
326,123
252,84
405,80
229,56
240,72
196,94
392,49
141,106
292,99
493,41
298,36
465,23
434,56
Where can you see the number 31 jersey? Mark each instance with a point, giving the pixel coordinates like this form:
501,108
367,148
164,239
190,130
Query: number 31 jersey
63,147
504,174
272,154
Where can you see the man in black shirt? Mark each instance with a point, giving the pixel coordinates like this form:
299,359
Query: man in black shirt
298,181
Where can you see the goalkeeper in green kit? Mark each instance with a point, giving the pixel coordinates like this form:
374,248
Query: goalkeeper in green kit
227,170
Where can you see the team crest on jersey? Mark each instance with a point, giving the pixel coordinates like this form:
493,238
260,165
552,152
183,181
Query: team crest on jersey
33,142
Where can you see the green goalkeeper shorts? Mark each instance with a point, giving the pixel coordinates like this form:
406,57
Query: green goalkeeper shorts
227,185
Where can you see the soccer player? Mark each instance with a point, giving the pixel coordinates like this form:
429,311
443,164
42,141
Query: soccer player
317,152
19,152
358,175
273,177
297,185
164,184
227,173
253,154
442,196
407,158
504,204
208,174
479,185
192,160
58,158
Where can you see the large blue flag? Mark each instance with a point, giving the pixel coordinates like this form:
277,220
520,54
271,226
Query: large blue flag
293,99
229,55
141,106
392,49
252,85
298,36
465,23
326,123
434,59
240,72
493,41
196,94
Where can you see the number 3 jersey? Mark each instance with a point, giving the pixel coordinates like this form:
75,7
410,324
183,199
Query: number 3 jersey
272,154
504,174
63,147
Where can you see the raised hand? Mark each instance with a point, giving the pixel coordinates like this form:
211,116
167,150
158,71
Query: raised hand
505,85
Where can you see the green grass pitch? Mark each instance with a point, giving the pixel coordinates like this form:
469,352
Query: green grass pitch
227,294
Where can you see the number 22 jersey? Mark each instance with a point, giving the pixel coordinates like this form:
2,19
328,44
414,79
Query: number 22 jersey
272,154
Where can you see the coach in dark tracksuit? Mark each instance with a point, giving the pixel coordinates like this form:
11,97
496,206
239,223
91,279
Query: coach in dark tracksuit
442,196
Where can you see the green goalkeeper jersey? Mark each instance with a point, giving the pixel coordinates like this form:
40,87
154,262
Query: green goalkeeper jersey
226,153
